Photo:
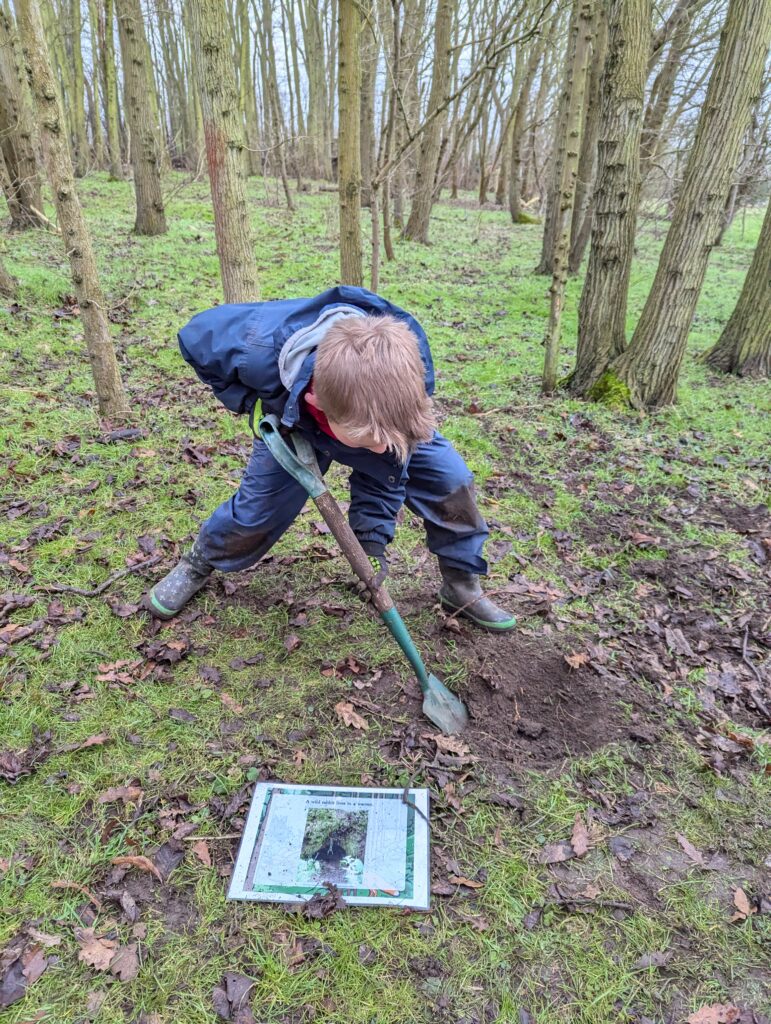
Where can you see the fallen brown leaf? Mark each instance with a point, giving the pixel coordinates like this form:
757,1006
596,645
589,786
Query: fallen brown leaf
92,741
744,908
462,880
448,744
125,964
95,952
45,939
576,660
555,853
323,904
348,716
143,863
231,704
129,794
34,963
690,850
579,840
717,1013
201,850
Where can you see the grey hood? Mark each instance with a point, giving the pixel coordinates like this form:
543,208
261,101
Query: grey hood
302,342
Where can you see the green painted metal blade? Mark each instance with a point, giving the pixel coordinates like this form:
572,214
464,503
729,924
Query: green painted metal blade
443,708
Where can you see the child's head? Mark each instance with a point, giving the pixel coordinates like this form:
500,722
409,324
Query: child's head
369,380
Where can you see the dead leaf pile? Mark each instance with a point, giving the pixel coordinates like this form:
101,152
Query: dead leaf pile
231,998
104,954
22,962
323,904
578,846
14,765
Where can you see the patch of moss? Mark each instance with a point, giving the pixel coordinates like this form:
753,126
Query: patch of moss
610,390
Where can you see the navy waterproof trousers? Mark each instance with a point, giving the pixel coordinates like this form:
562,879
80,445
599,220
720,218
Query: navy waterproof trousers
435,484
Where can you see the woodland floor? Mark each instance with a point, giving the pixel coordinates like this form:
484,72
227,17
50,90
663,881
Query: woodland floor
629,712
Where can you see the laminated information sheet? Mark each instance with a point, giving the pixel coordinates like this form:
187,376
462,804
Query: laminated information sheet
370,843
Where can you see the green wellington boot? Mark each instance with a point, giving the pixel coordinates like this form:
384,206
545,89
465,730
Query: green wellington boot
461,592
170,595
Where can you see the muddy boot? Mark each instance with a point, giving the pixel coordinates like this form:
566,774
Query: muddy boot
170,595
461,593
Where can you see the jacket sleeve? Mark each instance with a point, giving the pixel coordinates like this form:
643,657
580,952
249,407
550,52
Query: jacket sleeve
214,344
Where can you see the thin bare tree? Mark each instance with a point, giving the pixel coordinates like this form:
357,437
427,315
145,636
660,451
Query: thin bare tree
744,347
224,133
575,86
77,241
349,146
139,90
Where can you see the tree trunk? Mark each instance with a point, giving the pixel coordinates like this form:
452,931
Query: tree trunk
316,155
349,143
248,93
272,100
8,284
517,133
584,203
77,242
660,96
78,106
224,135
369,58
744,347
145,145
602,309
18,135
531,176
428,159
576,85
504,166
111,93
551,219
100,157
650,366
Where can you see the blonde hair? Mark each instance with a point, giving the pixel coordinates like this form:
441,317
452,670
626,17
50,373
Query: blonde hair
370,379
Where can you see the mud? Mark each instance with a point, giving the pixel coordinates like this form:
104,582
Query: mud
528,706
526,701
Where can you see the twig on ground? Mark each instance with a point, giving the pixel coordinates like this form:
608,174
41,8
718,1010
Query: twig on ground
412,804
60,588
197,839
585,901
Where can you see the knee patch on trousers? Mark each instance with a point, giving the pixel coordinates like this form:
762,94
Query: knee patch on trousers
459,509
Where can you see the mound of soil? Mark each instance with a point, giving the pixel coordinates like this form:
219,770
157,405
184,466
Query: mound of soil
527,704
525,700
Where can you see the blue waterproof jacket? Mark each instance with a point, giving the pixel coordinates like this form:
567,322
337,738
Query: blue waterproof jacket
235,348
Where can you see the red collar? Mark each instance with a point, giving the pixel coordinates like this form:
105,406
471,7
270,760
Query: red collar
317,414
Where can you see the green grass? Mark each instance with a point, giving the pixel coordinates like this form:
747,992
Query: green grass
485,313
